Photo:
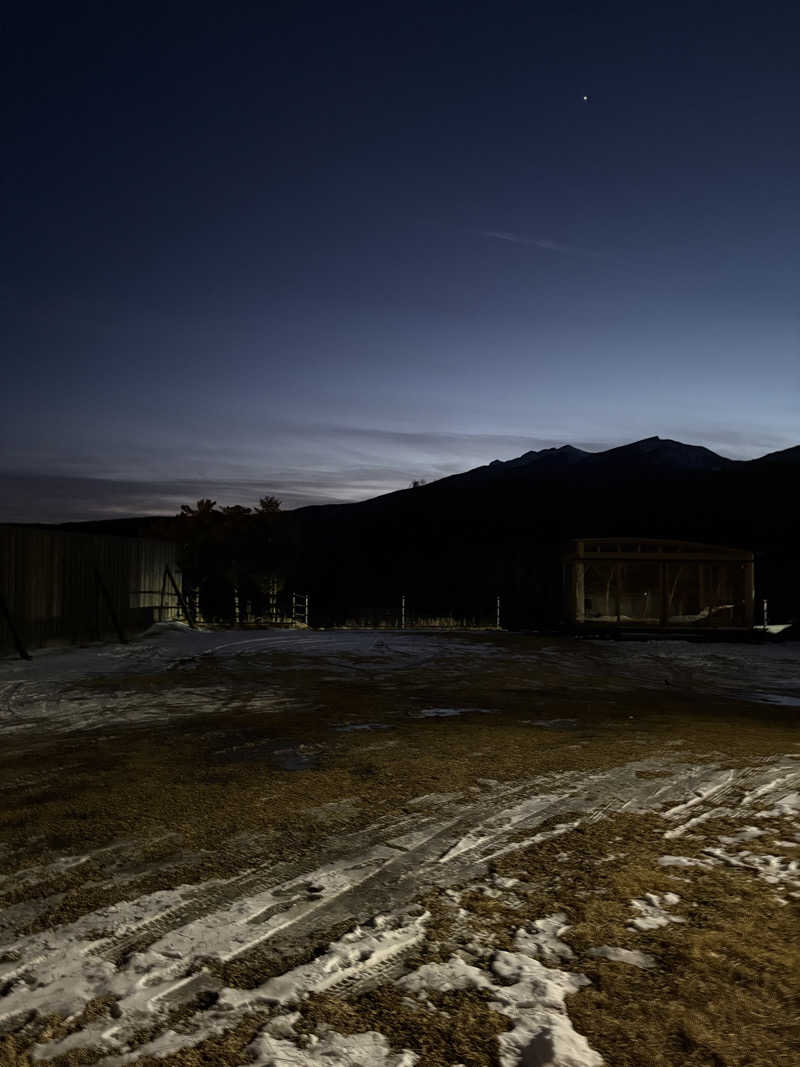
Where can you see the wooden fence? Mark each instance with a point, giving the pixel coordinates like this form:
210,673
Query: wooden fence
59,587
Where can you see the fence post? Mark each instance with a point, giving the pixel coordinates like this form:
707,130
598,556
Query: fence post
23,652
181,601
498,612
163,594
300,609
110,607
402,613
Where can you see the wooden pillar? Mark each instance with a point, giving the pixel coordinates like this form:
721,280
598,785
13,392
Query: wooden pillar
578,591
749,594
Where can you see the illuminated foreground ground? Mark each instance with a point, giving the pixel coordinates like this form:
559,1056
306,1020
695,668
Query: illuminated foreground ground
388,849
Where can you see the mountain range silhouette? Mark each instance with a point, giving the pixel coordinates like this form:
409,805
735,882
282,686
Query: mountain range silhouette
499,529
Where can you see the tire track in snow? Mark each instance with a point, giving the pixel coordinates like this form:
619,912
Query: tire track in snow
383,868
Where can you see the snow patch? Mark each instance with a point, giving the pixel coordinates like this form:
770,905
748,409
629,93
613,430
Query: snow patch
624,955
164,627
652,913
356,1050
712,813
789,805
501,825
770,786
683,861
746,834
545,938
59,973
442,977
351,727
716,784
784,699
774,870
504,883
532,995
447,713
552,724
534,998
359,951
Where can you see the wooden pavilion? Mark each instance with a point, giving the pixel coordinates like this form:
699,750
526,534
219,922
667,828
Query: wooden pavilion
650,583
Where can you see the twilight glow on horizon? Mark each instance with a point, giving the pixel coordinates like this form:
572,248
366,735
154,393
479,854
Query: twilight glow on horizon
321,252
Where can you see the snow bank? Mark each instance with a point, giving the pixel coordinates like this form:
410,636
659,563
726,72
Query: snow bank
165,627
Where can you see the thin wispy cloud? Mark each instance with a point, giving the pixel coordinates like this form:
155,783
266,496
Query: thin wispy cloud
315,464
549,246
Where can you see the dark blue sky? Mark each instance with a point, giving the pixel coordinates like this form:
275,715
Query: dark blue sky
318,252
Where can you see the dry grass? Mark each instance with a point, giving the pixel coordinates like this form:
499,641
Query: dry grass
725,990
454,1027
727,987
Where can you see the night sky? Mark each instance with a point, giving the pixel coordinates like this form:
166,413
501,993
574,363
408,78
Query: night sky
319,252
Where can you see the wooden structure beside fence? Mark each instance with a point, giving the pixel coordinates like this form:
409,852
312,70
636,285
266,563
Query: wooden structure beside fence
649,583
62,587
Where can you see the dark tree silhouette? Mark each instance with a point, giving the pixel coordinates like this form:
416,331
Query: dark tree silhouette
227,556
268,505
202,507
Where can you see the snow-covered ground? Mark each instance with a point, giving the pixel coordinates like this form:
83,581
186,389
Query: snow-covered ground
41,691
762,673
154,953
